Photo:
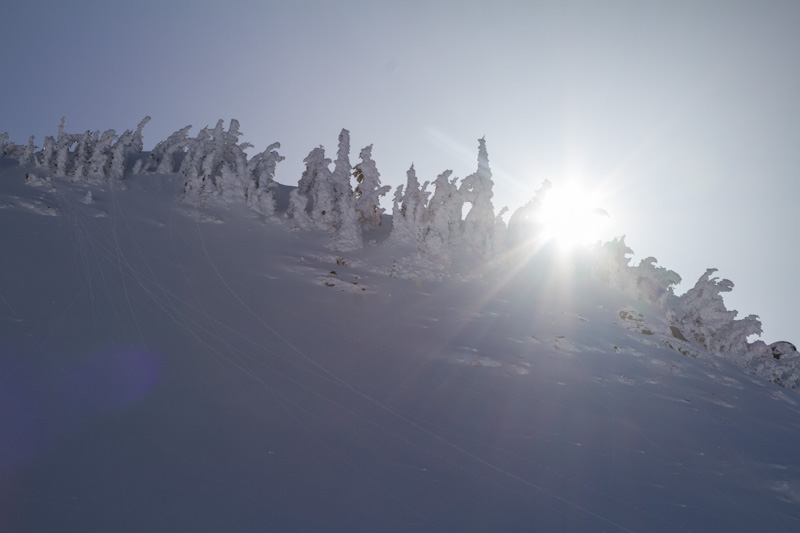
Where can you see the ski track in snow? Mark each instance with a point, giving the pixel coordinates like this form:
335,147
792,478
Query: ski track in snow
150,285
383,406
396,414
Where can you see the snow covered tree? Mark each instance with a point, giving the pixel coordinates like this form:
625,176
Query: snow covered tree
301,199
119,155
653,283
369,189
94,159
101,155
702,317
297,210
325,200
233,176
64,142
347,234
5,144
645,281
610,262
26,154
316,184
137,142
162,158
477,189
82,156
214,156
443,215
192,161
46,153
779,362
215,162
525,225
223,169
410,209
261,170
397,207
500,229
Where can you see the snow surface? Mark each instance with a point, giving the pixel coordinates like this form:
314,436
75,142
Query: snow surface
168,366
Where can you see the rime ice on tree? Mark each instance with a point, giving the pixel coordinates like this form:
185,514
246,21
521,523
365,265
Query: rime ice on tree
214,163
315,184
525,225
162,158
702,316
63,143
262,179
369,189
444,215
409,212
477,189
6,147
347,234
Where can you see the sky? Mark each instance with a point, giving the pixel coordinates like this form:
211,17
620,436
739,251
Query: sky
682,117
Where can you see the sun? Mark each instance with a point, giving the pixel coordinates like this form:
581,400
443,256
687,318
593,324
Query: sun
571,217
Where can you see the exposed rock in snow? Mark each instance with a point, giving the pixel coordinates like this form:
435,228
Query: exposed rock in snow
784,351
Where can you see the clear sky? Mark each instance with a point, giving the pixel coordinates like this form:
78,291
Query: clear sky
684,115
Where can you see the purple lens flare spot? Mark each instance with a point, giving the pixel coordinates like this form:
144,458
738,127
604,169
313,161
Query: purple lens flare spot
43,401
111,381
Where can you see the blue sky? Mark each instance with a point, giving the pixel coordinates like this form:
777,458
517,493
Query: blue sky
684,115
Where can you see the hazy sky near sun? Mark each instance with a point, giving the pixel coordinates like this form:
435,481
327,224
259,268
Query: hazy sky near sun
683,115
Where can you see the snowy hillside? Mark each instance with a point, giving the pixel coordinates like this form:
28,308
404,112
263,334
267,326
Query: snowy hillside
174,360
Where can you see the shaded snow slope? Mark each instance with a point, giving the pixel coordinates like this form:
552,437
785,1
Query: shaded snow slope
166,366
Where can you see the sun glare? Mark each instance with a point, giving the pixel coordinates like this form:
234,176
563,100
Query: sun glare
570,216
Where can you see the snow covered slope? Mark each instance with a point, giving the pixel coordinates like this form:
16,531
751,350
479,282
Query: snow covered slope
174,367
